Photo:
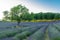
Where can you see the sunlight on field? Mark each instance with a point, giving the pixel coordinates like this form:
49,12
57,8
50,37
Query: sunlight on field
40,20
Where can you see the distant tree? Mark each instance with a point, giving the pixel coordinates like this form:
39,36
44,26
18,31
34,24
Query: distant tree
5,15
32,16
57,16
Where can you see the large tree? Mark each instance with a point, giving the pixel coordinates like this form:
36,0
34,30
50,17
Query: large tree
16,13
5,14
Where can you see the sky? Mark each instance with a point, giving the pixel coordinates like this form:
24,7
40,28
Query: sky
33,5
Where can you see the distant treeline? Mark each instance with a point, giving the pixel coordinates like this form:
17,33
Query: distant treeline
40,16
20,13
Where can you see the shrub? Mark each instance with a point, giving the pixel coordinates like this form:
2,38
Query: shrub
57,38
22,35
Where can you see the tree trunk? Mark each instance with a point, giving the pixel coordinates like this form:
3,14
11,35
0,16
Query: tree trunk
18,23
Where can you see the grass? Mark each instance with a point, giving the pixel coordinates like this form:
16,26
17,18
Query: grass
40,20
43,20
57,38
46,35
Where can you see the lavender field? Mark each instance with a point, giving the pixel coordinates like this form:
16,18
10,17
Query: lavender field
29,19
30,31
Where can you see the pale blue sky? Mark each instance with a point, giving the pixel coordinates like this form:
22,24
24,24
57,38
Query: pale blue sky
32,5
48,5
